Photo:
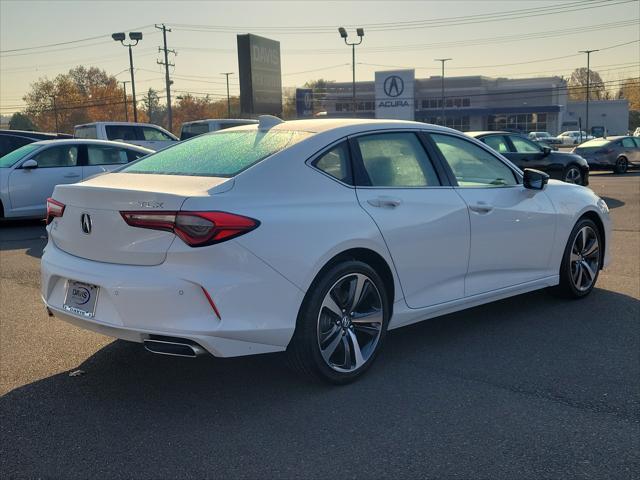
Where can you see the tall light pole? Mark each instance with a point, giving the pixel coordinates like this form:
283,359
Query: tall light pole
443,60
228,98
55,110
126,107
167,80
344,35
588,52
134,37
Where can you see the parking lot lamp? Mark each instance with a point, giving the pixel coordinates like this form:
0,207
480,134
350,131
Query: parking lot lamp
134,37
344,36
588,52
443,60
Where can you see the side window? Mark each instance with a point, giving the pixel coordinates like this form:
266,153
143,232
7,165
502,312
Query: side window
396,160
121,132
152,134
59,156
472,165
86,132
336,163
523,145
103,155
628,143
637,140
497,142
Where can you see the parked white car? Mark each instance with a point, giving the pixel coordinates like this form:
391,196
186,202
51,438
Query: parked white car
574,137
143,134
311,236
198,127
29,174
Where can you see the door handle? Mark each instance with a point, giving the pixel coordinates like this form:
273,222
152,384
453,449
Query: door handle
384,202
481,207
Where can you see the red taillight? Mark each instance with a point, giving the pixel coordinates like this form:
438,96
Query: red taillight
54,209
196,229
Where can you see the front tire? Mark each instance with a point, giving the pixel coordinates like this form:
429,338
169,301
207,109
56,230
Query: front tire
581,261
622,165
572,174
342,323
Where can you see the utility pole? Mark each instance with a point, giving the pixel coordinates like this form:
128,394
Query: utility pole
166,72
55,110
126,107
443,60
149,105
588,52
344,36
228,98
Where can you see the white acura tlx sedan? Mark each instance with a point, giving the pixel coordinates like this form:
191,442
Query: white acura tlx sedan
311,236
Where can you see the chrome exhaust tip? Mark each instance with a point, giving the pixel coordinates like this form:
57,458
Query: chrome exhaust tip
176,347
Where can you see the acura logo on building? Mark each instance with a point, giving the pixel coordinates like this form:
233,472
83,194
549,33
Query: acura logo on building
85,222
393,86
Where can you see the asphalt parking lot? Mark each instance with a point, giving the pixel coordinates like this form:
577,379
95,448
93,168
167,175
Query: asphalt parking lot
528,387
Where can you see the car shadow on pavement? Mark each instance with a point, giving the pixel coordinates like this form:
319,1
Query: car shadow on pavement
23,234
517,374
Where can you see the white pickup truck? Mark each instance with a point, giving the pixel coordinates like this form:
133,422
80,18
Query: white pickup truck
144,134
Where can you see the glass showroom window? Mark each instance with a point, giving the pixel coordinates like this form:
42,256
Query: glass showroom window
524,122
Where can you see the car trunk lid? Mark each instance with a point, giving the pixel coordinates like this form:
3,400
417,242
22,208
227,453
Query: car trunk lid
92,226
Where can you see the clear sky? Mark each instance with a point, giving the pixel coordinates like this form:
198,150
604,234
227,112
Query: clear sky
204,35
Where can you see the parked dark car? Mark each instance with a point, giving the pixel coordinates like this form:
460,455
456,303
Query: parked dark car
11,140
544,138
612,153
568,167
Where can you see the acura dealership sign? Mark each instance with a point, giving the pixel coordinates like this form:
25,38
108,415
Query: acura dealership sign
260,76
395,94
304,102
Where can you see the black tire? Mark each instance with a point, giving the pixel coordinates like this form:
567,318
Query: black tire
573,174
622,165
567,287
304,353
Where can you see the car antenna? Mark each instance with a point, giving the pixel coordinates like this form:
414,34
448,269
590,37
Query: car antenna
265,122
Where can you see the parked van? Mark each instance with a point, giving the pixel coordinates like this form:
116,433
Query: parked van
144,134
198,127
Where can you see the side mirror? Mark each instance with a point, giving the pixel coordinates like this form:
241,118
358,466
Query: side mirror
534,179
546,151
30,164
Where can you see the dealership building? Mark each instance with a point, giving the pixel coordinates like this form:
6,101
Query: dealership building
474,103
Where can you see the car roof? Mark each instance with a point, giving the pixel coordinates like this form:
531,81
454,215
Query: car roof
347,126
89,141
134,124
489,132
248,121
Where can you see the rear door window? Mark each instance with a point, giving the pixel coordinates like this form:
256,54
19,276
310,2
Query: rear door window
122,132
106,155
497,142
396,160
628,143
89,131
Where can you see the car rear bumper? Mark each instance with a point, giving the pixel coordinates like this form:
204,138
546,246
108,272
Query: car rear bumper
257,306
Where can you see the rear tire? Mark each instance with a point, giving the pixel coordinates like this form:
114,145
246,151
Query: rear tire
572,174
341,325
581,261
622,165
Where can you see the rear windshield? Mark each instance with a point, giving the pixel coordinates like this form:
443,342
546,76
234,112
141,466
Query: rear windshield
12,157
222,154
597,142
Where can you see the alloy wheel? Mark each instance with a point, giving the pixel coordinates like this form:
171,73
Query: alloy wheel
621,165
585,258
573,175
350,323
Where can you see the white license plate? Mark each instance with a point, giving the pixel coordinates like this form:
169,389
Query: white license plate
81,298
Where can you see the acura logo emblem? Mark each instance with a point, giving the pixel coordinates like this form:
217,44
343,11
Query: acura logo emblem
85,223
393,86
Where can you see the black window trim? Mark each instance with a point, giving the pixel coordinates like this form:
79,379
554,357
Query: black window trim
516,171
362,178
